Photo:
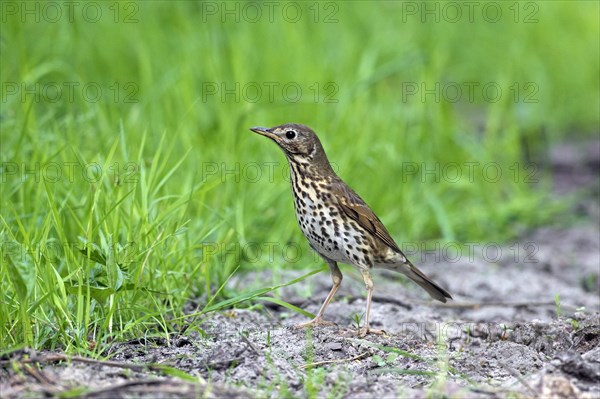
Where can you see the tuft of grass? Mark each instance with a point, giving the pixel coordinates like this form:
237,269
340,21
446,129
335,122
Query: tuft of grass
91,261
558,308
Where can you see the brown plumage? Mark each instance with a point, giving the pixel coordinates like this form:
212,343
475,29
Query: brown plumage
338,224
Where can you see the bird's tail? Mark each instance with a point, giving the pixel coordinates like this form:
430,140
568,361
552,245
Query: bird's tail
432,288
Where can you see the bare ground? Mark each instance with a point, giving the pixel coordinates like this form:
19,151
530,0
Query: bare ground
527,324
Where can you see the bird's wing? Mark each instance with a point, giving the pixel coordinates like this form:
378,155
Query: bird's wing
355,208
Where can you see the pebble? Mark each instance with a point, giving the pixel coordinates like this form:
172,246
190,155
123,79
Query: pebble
334,346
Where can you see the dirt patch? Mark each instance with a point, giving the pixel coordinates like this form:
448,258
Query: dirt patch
528,324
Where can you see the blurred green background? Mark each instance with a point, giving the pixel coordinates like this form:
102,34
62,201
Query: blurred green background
130,181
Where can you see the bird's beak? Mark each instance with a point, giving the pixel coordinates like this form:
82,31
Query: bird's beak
263,131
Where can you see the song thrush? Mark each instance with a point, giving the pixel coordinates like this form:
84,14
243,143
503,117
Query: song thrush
338,224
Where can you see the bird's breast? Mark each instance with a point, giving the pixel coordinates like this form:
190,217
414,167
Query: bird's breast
328,229
328,232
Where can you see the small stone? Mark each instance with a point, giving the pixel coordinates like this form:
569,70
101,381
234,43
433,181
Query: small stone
334,346
556,362
579,316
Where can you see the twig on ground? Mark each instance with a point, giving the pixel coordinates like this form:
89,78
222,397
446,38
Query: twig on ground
161,386
249,343
310,365
157,385
228,362
62,358
467,305
37,374
392,300
519,378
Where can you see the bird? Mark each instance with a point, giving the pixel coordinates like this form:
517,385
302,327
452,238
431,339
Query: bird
338,224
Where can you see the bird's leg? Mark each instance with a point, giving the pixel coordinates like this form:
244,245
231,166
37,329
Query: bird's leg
369,284
336,277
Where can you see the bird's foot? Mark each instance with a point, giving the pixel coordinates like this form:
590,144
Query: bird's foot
362,332
317,321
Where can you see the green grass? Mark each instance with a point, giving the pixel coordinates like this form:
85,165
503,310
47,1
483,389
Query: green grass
117,210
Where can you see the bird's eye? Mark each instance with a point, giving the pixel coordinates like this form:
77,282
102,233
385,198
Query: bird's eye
290,134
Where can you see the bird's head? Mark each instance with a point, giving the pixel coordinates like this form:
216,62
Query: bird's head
299,143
